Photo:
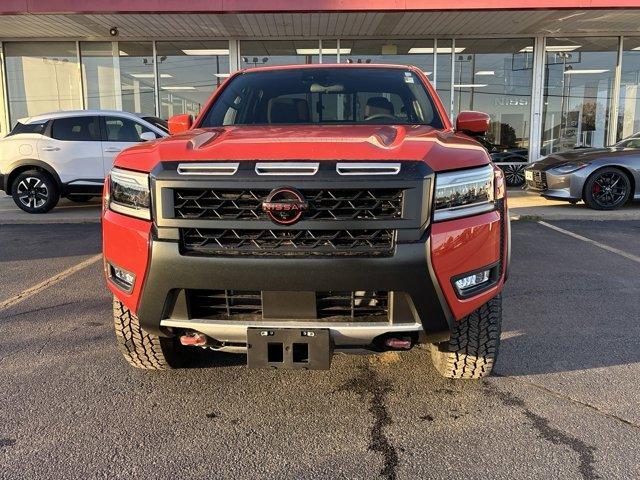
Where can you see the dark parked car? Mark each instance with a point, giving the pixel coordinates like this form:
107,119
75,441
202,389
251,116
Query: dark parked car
511,160
605,178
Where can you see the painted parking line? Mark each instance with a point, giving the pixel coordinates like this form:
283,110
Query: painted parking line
617,251
31,291
17,210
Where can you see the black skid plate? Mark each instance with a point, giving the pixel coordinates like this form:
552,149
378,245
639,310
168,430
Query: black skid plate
292,348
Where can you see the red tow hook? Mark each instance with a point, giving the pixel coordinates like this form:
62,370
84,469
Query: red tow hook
194,339
403,343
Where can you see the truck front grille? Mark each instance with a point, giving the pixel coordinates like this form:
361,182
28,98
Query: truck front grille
539,181
247,305
235,242
324,204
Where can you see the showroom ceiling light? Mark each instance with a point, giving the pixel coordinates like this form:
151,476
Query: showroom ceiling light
553,48
585,71
206,51
470,85
439,50
221,75
325,51
485,72
178,87
150,75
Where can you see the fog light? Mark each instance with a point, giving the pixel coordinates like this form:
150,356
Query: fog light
122,278
465,283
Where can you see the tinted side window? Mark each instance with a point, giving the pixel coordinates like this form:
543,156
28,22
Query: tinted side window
123,130
76,129
28,128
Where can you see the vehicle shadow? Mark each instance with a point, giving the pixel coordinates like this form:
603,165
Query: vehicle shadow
568,306
43,241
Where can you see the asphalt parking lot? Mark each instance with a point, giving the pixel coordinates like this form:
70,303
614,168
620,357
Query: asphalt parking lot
563,404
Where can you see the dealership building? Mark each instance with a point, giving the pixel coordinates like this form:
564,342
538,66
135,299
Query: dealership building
552,74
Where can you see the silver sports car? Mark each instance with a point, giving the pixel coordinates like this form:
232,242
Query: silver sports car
605,178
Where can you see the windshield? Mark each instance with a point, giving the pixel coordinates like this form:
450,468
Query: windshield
631,142
324,96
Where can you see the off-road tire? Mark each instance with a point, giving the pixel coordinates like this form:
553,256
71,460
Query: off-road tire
139,348
45,183
473,348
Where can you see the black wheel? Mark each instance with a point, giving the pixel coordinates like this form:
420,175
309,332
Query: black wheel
34,191
513,175
139,348
473,348
607,189
80,198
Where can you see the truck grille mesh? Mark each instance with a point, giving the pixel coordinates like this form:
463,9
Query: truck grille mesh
233,242
247,305
325,204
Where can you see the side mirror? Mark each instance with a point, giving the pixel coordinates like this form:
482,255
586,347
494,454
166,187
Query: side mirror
472,123
180,123
147,136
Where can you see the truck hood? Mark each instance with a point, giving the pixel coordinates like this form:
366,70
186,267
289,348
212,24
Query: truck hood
441,150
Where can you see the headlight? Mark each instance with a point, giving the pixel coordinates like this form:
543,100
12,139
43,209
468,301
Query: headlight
569,167
463,193
129,193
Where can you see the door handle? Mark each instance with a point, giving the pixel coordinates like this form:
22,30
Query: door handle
112,150
50,149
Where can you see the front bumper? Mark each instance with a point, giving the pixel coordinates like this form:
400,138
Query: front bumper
556,186
417,276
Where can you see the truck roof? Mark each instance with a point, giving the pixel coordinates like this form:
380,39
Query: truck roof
329,66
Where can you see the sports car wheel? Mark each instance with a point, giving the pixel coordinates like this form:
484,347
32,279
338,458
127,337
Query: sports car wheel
607,189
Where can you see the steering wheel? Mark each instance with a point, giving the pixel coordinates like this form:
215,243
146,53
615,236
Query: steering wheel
380,115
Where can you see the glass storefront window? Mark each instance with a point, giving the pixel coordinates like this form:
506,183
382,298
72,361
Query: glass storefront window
402,52
41,77
444,58
495,76
99,75
188,73
257,53
577,95
137,82
629,105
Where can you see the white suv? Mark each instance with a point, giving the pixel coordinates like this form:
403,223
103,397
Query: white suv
66,154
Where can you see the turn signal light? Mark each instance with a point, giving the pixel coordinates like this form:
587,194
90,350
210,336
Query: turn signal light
471,281
121,278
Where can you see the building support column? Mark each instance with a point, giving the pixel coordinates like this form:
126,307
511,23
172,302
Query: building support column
83,101
537,99
612,135
155,79
5,92
117,87
234,56
453,79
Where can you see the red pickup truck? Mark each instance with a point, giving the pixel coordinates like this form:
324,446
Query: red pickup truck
310,210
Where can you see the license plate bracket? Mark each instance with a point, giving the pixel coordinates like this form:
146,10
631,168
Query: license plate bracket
289,348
